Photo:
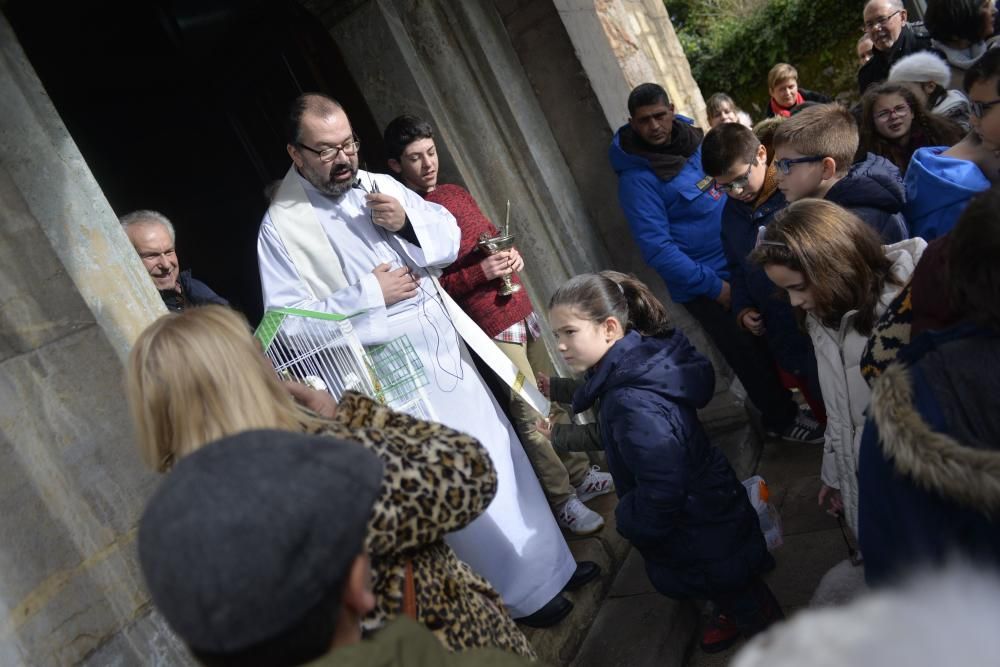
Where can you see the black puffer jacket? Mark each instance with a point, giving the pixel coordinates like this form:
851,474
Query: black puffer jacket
873,190
679,501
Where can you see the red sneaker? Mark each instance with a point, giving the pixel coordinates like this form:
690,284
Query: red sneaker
720,633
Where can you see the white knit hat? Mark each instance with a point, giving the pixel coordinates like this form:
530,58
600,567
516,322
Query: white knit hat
920,67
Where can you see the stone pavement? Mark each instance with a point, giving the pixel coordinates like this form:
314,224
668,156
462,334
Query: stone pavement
636,627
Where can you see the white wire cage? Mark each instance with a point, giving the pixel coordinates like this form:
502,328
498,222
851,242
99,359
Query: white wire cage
322,351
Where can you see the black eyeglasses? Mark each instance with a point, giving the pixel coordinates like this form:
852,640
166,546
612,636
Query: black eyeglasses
879,22
737,185
350,148
980,109
785,166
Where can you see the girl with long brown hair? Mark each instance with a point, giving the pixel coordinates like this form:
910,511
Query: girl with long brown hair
894,124
197,376
841,279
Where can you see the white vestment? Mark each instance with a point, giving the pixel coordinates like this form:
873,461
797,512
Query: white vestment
516,544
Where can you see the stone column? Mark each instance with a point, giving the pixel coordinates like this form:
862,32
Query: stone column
622,43
73,296
452,62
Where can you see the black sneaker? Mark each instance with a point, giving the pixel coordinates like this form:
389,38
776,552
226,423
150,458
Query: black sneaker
802,429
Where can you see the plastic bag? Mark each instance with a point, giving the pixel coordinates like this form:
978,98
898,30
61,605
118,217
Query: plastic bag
767,513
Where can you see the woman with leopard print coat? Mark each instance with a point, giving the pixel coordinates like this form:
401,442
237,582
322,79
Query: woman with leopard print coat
197,376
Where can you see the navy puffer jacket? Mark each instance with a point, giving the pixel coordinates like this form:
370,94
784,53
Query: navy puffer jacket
680,502
873,190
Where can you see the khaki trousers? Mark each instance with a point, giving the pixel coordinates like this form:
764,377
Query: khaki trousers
558,473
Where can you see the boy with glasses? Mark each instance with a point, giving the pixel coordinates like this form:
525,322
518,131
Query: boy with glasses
735,158
813,152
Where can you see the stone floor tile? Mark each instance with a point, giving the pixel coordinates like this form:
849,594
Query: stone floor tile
647,630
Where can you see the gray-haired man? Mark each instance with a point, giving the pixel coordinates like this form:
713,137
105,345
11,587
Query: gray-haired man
153,237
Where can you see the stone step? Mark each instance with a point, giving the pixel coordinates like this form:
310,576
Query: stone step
559,644
638,627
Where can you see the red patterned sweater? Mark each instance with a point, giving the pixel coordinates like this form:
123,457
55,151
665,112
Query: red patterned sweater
464,279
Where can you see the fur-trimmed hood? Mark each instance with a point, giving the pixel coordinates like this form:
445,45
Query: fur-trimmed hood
939,419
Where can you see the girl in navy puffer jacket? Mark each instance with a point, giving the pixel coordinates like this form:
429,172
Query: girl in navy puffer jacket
679,501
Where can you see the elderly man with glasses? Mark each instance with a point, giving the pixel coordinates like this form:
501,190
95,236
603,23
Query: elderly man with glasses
892,37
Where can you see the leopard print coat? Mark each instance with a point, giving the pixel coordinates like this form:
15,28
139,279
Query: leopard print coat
437,480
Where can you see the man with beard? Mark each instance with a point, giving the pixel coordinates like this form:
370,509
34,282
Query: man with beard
337,239
152,235
892,38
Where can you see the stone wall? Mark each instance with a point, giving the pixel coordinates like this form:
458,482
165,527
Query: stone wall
566,90
73,296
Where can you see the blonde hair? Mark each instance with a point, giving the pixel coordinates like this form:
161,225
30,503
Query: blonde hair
825,130
780,72
197,376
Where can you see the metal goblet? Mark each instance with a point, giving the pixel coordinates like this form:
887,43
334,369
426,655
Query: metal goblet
493,245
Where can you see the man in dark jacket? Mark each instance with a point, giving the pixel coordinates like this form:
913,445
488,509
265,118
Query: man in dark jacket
813,151
929,464
675,213
153,237
893,38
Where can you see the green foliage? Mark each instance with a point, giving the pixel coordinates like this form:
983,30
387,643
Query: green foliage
732,44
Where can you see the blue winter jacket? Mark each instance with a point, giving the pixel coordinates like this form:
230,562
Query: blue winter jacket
679,501
675,223
751,288
927,466
873,190
938,188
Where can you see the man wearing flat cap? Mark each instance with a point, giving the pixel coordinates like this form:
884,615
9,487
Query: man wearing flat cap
253,551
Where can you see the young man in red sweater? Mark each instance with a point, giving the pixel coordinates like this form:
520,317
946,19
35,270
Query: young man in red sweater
472,280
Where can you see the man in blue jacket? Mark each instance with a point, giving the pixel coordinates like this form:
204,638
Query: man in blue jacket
675,213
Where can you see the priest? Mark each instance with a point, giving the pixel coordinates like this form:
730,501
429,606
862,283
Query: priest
338,239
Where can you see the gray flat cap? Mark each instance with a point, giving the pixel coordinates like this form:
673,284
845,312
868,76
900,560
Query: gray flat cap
250,532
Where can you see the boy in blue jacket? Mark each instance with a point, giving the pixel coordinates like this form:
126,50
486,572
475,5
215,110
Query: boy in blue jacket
941,180
675,213
814,151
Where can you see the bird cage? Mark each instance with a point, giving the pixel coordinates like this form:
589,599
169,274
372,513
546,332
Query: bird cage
322,351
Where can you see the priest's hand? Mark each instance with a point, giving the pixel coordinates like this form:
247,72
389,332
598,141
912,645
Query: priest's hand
386,211
397,284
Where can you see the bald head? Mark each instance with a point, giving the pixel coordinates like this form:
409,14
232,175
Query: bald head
311,104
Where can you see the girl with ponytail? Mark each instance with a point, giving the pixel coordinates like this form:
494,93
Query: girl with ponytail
680,503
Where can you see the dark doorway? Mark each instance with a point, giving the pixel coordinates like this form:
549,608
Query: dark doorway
179,106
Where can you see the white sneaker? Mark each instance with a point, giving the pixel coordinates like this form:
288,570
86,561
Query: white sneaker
596,483
577,518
